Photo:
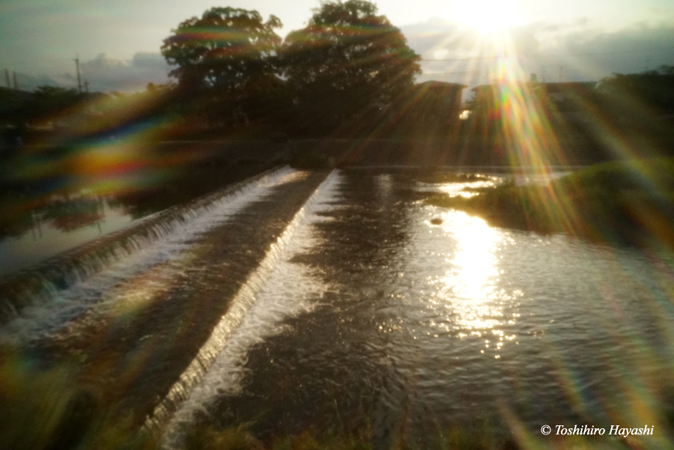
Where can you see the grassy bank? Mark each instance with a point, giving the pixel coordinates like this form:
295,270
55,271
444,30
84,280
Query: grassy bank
618,202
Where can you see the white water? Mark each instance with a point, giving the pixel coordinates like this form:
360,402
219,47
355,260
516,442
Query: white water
165,244
279,289
455,322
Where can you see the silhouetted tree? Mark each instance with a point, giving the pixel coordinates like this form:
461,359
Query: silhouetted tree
653,88
227,58
640,103
347,64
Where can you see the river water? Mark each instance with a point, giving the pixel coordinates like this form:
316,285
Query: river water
399,324
384,313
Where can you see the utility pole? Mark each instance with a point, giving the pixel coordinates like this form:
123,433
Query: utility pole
16,83
9,85
79,79
86,86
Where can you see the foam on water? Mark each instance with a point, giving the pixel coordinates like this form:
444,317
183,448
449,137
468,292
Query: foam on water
278,289
431,326
163,242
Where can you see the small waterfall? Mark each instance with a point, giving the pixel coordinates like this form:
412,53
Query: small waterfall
230,322
39,284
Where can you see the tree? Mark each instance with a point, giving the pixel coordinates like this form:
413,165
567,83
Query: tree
228,57
347,63
639,103
654,88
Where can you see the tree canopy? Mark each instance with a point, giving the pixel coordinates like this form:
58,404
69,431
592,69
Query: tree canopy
229,52
226,47
347,61
654,89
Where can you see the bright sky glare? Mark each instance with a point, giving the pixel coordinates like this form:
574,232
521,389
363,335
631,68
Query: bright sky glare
488,16
118,41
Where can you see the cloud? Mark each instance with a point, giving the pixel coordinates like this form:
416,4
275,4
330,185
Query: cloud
595,54
437,36
575,51
105,73
455,53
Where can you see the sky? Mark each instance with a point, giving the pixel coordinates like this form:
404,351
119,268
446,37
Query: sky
118,41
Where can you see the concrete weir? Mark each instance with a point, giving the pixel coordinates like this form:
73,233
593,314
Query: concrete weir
238,309
149,324
41,283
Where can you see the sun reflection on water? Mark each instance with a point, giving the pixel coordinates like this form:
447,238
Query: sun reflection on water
464,189
470,285
474,270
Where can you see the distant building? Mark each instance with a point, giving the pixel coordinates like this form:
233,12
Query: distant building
560,104
569,102
438,100
486,97
489,106
432,109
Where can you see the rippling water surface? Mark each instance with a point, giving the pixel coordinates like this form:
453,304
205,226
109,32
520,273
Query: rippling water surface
350,304
399,321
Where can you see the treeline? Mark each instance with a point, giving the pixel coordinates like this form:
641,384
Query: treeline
338,75
348,73
643,102
59,116
231,72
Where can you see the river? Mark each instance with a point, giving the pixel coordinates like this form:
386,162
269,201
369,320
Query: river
396,323
384,313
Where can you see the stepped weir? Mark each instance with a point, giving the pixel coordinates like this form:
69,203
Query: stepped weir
147,309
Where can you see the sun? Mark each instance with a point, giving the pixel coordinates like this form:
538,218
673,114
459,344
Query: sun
488,16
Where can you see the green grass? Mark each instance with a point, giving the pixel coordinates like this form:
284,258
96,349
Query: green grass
625,202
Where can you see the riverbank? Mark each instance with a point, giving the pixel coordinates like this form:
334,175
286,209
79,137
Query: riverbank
617,202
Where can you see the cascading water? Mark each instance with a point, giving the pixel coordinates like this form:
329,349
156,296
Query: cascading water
38,300
346,303
405,317
267,283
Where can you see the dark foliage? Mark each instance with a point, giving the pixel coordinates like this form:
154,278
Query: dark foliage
346,66
226,64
